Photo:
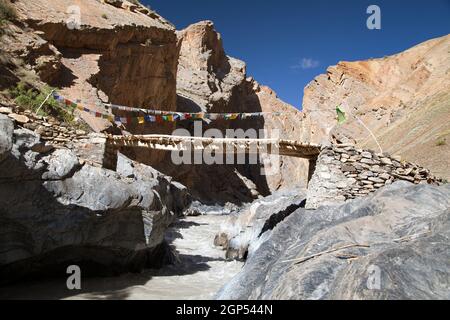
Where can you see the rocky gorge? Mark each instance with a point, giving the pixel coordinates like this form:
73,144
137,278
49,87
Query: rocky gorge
350,224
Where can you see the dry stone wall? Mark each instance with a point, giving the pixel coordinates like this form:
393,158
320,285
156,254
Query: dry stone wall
344,172
55,134
49,128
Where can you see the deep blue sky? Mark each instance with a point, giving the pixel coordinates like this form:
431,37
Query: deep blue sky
287,43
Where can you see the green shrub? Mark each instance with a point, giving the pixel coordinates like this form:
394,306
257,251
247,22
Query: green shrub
31,98
7,12
441,142
104,16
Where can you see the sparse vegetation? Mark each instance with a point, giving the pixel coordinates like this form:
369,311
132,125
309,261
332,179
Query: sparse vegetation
104,16
31,98
441,142
7,12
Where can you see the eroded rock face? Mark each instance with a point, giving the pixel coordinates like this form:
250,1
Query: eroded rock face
206,75
393,244
106,53
403,99
21,51
57,211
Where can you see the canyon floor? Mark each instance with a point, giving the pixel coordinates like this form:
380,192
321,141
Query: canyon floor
200,272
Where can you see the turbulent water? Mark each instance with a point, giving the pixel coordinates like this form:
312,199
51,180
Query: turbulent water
200,272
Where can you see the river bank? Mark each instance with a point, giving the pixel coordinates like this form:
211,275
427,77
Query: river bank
201,270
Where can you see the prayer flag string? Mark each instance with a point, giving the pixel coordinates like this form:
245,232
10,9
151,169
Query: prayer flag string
142,116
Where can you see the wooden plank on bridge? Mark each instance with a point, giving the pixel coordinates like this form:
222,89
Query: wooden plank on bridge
281,147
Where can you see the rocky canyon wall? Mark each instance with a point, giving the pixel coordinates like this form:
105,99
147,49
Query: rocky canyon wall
210,81
108,51
127,54
403,99
130,56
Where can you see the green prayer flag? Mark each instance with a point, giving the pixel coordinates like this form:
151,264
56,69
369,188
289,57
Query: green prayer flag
341,115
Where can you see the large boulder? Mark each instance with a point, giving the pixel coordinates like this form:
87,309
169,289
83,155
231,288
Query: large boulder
247,228
56,211
391,245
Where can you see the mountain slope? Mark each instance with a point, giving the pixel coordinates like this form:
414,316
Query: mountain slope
404,99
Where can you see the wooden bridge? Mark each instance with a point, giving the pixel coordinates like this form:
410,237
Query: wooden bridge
282,147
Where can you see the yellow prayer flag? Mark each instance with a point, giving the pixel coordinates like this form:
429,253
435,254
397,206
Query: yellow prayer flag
141,120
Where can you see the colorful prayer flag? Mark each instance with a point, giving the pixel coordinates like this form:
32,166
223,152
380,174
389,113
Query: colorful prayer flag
341,115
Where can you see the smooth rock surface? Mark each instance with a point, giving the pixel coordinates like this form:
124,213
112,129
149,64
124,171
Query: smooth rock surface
55,211
393,244
248,227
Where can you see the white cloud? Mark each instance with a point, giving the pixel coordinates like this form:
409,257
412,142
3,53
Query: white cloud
306,63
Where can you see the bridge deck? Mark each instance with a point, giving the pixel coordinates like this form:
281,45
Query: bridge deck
281,147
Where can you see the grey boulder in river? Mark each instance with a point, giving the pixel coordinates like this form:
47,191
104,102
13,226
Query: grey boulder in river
56,210
391,245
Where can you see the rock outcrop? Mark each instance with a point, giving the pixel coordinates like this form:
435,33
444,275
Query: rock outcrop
393,244
403,99
248,227
206,75
57,210
100,52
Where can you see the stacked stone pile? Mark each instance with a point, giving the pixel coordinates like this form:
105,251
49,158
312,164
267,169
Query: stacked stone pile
51,130
344,172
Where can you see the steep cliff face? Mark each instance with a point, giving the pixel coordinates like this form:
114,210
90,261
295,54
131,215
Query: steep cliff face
209,80
121,53
404,99
206,75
